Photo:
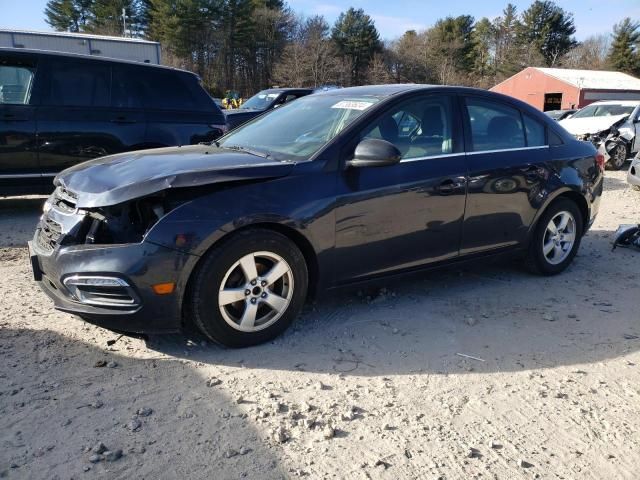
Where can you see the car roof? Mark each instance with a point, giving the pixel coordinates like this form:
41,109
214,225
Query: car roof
95,58
626,103
285,89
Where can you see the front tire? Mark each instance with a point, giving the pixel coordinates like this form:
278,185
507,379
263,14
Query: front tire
556,238
249,289
618,157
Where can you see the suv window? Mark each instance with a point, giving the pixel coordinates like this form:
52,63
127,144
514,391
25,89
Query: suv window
494,126
127,89
419,128
79,84
15,83
167,90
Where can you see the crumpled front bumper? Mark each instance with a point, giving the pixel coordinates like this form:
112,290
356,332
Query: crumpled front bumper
140,265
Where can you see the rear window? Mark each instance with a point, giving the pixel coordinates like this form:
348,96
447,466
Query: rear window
81,84
494,126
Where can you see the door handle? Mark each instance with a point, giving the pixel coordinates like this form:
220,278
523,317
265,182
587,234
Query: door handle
10,117
123,120
448,187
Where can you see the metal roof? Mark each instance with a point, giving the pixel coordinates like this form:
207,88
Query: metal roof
79,35
593,79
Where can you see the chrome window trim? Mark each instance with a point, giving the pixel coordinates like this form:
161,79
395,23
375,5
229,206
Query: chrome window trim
508,150
442,155
23,175
418,159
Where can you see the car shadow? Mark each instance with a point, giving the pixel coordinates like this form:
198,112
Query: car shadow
482,318
616,184
18,219
55,402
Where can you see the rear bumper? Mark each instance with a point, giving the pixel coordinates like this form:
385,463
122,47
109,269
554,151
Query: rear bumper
139,265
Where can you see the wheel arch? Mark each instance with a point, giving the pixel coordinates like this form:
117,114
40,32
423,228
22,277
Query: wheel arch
572,195
301,241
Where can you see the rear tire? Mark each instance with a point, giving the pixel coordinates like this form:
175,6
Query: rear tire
249,289
556,238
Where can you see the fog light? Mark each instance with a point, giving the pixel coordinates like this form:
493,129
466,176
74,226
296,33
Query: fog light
164,288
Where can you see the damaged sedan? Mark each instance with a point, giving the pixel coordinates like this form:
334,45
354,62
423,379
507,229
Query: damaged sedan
612,126
336,188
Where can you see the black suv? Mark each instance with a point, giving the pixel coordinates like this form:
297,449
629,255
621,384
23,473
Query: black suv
57,110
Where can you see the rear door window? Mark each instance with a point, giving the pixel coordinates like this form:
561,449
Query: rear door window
535,132
494,126
16,81
127,89
78,84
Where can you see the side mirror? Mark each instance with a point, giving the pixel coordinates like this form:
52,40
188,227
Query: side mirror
373,152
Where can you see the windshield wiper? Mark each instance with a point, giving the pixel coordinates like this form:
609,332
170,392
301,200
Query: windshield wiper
240,148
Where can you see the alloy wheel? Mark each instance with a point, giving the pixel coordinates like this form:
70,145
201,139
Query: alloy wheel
619,156
559,237
256,291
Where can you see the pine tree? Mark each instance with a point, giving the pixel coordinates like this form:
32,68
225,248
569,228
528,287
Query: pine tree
625,48
357,40
68,15
548,30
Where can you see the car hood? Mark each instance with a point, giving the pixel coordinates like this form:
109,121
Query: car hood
118,178
240,111
582,126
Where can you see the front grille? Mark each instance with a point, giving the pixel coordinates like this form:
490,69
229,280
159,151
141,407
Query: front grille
49,234
63,200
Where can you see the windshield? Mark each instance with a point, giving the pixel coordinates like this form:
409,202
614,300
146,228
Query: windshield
299,129
604,111
260,101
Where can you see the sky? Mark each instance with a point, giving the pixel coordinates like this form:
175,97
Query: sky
392,17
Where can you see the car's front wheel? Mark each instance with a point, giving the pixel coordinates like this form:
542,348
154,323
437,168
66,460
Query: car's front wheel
249,289
556,238
618,157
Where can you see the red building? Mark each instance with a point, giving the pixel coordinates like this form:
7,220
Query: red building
562,88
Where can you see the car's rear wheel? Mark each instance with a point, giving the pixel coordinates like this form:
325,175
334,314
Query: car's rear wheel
249,289
618,157
556,238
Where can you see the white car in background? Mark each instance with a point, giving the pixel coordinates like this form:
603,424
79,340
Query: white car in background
633,177
613,126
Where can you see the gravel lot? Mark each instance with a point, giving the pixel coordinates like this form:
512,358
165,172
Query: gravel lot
366,385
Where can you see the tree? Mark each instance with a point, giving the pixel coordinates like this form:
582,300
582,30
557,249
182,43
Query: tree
68,15
357,40
450,43
483,46
625,48
309,60
106,18
548,30
590,54
506,46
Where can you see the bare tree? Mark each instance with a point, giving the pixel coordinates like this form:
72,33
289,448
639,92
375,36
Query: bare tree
591,54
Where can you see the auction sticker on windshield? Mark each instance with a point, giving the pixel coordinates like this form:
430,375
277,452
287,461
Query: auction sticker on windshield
352,105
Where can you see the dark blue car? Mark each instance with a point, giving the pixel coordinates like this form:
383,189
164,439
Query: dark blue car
335,188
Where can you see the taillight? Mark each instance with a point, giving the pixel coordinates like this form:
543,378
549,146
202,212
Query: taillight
600,160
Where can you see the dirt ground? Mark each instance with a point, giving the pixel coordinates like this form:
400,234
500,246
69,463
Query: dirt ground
363,386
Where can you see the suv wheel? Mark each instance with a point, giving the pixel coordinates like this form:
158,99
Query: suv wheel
249,289
556,238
